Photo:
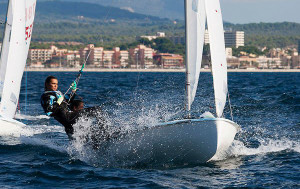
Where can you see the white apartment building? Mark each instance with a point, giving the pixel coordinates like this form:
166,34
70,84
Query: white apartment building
146,56
151,37
108,58
97,56
72,60
232,38
124,58
39,55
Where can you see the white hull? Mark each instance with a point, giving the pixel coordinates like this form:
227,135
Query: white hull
189,141
10,127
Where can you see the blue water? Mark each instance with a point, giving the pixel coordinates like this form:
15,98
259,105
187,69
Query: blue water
264,154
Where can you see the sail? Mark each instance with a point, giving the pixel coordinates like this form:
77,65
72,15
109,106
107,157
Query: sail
218,55
195,30
17,37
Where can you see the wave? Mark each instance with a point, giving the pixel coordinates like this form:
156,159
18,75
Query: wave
34,135
30,118
55,144
266,146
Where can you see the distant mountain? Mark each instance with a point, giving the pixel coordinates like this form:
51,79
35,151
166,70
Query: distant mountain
53,11
172,9
87,22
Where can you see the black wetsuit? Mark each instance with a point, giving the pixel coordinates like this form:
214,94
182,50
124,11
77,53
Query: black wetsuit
68,118
60,112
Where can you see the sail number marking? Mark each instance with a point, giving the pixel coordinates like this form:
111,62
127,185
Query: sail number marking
28,32
29,12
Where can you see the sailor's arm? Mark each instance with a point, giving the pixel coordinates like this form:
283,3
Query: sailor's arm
51,103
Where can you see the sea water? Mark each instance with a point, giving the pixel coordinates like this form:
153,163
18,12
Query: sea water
265,152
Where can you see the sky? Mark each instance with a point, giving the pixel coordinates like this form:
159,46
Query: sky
250,11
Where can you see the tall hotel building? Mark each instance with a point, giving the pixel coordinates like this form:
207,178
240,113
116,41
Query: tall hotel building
232,38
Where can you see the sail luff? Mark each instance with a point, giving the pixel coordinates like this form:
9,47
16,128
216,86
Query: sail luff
195,31
5,45
218,55
14,53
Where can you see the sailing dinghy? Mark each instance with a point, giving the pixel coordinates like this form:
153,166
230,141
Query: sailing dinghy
188,141
15,46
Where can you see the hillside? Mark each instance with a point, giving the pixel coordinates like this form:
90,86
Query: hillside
172,9
94,23
54,11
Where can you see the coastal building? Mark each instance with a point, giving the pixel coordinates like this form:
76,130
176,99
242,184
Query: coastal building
228,52
264,62
93,55
141,57
56,51
295,61
168,61
72,60
37,56
108,59
123,57
151,37
232,38
233,62
247,62
120,58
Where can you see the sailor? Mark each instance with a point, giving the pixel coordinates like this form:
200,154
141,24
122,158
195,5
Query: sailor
56,105
77,105
68,110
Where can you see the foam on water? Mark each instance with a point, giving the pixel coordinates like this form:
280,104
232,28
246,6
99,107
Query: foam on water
266,146
123,119
31,134
30,118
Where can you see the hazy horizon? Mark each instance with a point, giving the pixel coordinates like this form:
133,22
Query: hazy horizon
249,11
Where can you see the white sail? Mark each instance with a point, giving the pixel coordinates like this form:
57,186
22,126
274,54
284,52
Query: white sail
195,30
14,53
218,55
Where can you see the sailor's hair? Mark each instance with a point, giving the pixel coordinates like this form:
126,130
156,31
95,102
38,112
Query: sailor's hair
75,103
48,80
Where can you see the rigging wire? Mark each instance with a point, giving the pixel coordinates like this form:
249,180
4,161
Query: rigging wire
26,88
76,82
231,114
139,73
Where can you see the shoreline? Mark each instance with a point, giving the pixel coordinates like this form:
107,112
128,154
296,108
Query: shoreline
150,70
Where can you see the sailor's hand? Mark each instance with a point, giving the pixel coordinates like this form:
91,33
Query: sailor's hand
73,86
60,99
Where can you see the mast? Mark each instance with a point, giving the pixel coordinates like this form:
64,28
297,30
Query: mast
188,83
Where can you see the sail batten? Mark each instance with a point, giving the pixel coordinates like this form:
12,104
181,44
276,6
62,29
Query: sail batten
17,37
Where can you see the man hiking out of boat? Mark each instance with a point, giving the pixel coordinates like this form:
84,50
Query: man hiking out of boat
57,105
68,110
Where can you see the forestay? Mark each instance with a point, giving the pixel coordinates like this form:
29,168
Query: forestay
218,55
195,29
16,42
